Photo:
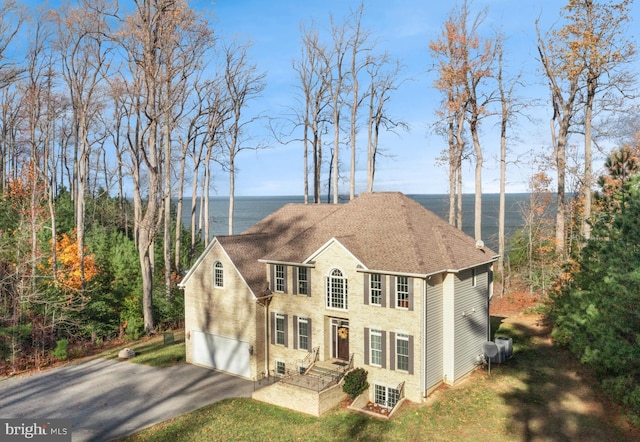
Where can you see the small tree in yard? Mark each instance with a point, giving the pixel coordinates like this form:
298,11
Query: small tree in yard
355,382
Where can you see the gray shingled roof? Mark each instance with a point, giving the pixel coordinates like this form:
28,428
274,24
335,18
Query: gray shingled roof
268,234
385,231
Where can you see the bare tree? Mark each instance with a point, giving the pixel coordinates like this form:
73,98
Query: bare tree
358,42
313,73
466,63
149,38
510,105
451,81
384,79
243,83
185,47
11,20
600,44
562,73
338,86
12,17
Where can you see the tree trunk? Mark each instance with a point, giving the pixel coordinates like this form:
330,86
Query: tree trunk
588,157
232,190
477,222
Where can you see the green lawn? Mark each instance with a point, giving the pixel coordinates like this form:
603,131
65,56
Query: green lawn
540,394
153,351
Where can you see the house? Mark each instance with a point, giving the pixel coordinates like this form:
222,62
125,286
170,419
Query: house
379,282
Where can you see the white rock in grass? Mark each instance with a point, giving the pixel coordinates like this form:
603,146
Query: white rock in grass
126,353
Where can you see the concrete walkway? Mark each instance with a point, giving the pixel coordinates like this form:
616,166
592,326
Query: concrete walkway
107,399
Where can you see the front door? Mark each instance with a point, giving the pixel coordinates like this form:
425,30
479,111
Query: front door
340,339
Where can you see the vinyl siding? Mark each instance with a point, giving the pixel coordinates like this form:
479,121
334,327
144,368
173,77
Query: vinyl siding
435,334
470,319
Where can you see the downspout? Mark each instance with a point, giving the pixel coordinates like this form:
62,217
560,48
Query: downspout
423,378
489,296
265,300
266,335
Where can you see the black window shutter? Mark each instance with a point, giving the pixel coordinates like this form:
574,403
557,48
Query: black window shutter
366,346
295,332
308,270
309,345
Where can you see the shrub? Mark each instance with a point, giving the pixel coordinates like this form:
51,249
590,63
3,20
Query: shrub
61,349
355,382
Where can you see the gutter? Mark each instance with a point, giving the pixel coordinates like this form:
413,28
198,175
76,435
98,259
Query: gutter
287,263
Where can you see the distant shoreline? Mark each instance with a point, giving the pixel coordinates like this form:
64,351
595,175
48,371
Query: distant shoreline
251,209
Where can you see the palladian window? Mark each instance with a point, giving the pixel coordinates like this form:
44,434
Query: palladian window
218,274
337,290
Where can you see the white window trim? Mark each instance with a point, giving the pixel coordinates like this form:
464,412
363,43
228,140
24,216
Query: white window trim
279,283
303,321
217,269
278,331
378,289
402,337
328,289
305,271
408,280
378,333
284,367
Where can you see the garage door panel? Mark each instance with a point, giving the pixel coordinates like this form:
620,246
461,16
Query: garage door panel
222,353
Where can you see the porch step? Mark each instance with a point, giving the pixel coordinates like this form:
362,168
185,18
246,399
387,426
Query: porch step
319,371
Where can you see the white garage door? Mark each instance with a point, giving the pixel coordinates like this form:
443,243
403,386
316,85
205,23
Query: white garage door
221,353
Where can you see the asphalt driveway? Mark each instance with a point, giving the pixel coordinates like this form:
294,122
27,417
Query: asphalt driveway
107,399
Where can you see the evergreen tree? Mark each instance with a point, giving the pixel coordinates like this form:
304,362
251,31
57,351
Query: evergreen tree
595,311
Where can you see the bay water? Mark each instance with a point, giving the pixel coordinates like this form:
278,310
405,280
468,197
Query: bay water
251,209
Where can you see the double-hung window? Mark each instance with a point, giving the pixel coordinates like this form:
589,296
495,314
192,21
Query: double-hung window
218,274
375,288
303,281
375,347
402,352
280,329
337,290
280,276
402,292
303,333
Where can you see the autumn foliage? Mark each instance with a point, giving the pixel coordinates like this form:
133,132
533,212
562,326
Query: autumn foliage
68,270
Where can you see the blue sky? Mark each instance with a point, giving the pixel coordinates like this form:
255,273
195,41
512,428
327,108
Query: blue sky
404,28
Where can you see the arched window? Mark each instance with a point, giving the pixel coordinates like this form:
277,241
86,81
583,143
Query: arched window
218,274
337,290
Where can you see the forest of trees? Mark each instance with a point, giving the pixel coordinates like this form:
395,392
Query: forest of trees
99,99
